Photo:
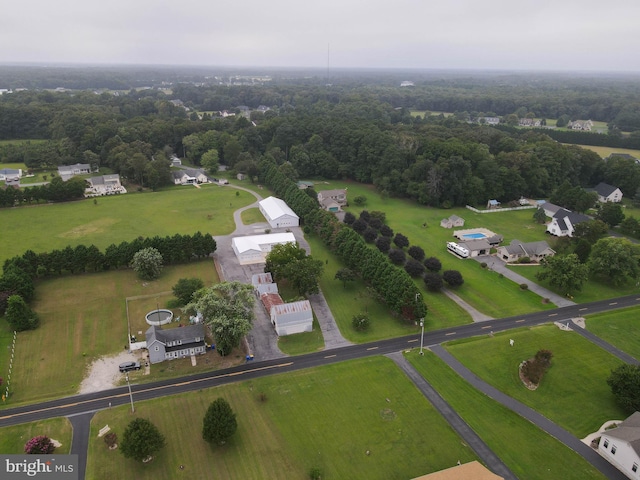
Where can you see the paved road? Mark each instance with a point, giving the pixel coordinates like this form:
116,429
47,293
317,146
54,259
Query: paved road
459,425
534,417
81,427
625,357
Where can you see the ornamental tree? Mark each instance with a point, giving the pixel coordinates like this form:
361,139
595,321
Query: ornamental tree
219,423
147,263
141,439
40,445
564,272
625,386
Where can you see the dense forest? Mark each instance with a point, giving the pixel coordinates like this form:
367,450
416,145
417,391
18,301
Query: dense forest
360,127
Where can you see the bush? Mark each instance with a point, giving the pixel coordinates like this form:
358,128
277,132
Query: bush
433,264
383,244
40,445
111,439
416,252
483,265
361,322
414,268
433,281
398,257
524,286
524,260
453,278
536,367
315,473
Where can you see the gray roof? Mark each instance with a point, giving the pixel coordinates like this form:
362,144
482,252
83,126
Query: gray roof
186,334
629,431
473,245
532,248
551,207
9,171
604,189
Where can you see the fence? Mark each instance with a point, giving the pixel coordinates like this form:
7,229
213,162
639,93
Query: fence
495,210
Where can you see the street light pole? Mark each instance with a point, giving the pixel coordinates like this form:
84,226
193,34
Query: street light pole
421,335
126,375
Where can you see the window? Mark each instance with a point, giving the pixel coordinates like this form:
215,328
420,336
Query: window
613,449
606,443
634,468
157,348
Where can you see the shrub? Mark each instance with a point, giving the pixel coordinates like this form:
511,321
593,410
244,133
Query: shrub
483,265
433,264
361,322
40,445
111,439
433,281
524,260
524,286
414,268
398,257
536,367
416,252
315,473
453,278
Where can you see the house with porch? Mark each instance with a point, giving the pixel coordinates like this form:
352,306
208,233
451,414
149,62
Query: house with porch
329,198
608,193
175,342
516,250
189,176
452,221
104,185
620,446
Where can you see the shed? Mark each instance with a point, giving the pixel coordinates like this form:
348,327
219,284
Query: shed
294,317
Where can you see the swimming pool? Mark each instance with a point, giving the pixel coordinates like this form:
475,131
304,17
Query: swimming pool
474,235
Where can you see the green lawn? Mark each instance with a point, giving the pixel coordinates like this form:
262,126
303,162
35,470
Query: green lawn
615,327
573,393
118,218
492,296
13,439
20,142
301,343
310,418
529,452
82,318
606,151
253,215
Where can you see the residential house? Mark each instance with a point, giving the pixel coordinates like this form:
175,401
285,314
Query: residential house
68,171
467,471
529,122
620,446
622,155
290,318
189,176
254,248
516,250
550,209
608,193
175,342
278,213
175,161
263,283
329,198
564,222
10,174
104,185
452,221
489,120
583,125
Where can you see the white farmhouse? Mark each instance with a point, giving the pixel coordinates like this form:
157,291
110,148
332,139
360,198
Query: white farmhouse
564,223
621,446
278,213
608,193
255,248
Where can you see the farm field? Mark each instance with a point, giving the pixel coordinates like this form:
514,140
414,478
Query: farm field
529,452
114,219
577,377
82,318
614,328
312,418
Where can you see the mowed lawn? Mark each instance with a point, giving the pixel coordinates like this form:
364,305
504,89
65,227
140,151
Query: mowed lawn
606,151
497,297
529,452
357,419
574,391
13,439
114,219
82,318
615,328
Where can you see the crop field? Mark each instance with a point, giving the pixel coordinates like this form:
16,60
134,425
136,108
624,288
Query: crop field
311,418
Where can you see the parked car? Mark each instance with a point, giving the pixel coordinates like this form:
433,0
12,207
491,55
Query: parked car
128,366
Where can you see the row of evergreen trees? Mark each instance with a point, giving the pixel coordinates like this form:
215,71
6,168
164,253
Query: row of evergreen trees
393,284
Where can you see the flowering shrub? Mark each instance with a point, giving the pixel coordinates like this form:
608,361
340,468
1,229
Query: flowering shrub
40,445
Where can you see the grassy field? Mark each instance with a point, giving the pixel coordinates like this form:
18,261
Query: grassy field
311,418
253,215
491,295
20,142
606,151
13,439
573,393
118,218
83,317
614,327
529,452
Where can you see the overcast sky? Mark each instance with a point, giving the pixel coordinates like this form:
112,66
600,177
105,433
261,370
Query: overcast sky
474,34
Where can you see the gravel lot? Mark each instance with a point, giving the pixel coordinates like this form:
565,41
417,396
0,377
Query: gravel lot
103,373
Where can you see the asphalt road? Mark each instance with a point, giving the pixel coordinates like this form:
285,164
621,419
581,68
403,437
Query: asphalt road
92,402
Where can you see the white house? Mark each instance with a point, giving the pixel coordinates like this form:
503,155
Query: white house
608,193
10,174
452,221
189,176
516,250
621,446
278,213
104,185
68,171
564,223
254,248
175,342
550,209
290,318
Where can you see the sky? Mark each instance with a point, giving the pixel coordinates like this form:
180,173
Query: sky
424,34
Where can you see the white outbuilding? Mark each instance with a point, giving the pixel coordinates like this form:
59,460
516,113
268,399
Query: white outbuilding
255,248
278,213
290,318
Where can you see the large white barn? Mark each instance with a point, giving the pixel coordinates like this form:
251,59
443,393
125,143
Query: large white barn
254,248
278,213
